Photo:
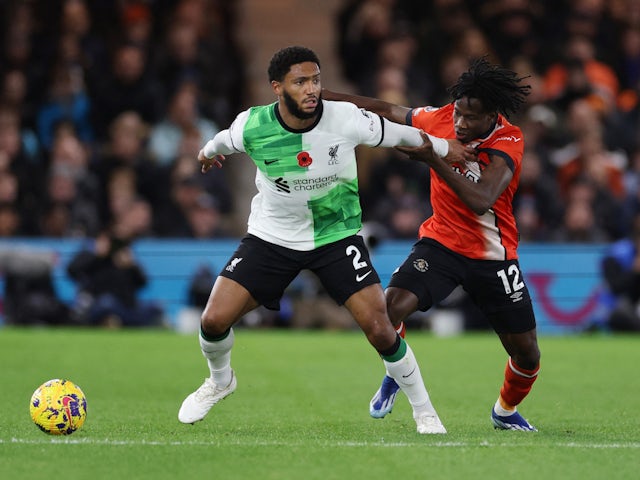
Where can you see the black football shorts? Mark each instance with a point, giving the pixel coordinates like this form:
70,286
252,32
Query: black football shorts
432,271
265,269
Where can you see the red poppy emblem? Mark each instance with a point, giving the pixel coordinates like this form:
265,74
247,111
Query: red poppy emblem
304,160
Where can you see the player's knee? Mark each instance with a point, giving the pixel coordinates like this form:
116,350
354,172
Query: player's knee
380,333
213,322
400,304
528,358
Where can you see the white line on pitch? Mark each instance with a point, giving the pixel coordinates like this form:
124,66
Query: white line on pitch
115,442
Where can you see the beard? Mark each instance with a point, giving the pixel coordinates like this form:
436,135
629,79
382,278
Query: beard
292,106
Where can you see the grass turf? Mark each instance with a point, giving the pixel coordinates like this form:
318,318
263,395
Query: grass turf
301,408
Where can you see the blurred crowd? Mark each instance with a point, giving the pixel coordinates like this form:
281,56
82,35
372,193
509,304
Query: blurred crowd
104,105
581,169
103,108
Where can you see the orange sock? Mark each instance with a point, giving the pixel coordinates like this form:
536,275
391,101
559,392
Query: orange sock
401,330
517,385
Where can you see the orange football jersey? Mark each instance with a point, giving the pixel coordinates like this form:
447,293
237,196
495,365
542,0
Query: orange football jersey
494,235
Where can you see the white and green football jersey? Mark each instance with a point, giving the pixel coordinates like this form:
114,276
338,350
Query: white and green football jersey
307,180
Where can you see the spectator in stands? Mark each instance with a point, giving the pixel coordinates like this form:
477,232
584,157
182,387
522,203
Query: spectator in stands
20,50
76,41
126,148
453,64
621,272
515,27
593,20
444,26
67,101
182,122
593,160
193,194
602,171
397,197
19,164
205,219
473,43
631,204
197,47
71,185
580,222
363,27
109,280
134,221
128,85
399,52
10,221
15,95
137,24
121,191
580,74
171,219
55,221
535,203
628,64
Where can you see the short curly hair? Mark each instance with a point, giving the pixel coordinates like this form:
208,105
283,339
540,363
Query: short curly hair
497,88
282,61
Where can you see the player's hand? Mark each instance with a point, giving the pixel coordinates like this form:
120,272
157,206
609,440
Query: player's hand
423,153
460,153
208,163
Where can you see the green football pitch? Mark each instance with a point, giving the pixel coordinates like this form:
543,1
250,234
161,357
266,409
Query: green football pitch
301,409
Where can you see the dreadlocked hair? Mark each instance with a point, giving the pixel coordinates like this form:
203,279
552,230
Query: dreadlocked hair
497,88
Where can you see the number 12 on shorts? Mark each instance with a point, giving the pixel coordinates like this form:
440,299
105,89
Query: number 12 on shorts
511,279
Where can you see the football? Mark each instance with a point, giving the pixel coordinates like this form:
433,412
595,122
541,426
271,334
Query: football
58,407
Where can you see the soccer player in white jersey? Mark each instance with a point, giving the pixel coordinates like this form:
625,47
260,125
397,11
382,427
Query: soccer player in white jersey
306,215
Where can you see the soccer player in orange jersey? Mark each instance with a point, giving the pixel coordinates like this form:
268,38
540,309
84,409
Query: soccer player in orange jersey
471,239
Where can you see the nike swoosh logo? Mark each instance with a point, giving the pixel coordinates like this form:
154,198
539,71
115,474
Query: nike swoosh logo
407,376
269,162
359,278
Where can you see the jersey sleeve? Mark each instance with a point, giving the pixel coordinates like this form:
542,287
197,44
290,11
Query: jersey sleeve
422,117
368,127
375,131
230,140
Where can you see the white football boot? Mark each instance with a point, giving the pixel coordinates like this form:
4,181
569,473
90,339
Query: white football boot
429,423
196,406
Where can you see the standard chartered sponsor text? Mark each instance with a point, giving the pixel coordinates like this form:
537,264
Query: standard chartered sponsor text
314,183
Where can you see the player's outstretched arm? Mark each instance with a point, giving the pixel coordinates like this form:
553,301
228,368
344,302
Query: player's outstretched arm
390,111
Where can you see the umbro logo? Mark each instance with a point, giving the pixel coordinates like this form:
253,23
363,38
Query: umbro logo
283,185
510,138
